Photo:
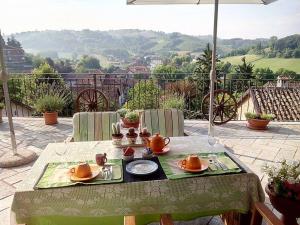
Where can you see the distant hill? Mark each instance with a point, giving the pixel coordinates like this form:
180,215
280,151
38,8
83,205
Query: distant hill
122,45
287,47
262,62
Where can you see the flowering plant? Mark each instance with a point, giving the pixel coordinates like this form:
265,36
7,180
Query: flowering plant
285,178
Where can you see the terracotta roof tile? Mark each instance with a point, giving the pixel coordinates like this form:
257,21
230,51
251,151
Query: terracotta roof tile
284,103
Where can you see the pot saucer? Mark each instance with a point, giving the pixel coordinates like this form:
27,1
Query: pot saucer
204,166
164,151
95,169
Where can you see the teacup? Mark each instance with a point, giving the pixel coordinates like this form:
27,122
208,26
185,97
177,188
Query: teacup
82,170
101,159
192,162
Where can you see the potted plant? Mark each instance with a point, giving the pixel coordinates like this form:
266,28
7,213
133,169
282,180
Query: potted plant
122,112
1,108
117,136
50,105
144,134
131,119
258,121
283,189
131,136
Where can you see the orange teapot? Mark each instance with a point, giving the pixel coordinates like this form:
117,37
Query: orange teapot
157,142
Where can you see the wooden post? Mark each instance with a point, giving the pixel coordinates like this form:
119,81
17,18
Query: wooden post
4,78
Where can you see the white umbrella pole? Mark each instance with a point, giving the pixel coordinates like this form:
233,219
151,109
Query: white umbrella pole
213,68
4,78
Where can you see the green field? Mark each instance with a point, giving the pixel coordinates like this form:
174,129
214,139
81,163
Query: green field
260,62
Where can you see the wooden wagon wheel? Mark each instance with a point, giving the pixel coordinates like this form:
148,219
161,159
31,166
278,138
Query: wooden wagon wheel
91,100
225,107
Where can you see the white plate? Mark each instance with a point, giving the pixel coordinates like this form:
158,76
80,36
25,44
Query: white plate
141,167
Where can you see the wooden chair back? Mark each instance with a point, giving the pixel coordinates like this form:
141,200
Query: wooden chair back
93,126
167,122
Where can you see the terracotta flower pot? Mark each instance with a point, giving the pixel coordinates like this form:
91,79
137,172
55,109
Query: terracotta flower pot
144,137
131,138
117,139
258,124
288,207
128,124
50,118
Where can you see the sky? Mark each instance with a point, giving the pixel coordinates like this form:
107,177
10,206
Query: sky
280,19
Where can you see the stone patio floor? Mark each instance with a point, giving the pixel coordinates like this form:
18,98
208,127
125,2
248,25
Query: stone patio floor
282,140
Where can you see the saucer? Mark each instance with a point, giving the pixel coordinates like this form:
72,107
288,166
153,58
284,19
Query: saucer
204,166
95,172
164,151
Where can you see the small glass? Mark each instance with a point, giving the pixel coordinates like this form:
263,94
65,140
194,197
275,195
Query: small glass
61,152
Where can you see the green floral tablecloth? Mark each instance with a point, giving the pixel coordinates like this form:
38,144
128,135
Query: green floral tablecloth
102,204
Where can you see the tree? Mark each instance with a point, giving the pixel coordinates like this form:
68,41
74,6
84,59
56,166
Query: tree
167,72
87,63
290,73
245,70
49,61
63,66
45,73
144,95
12,42
2,42
264,74
203,63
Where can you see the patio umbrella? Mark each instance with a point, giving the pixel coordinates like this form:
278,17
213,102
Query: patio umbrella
216,4
16,158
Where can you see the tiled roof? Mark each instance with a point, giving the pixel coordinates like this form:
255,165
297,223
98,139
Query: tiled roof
284,103
290,84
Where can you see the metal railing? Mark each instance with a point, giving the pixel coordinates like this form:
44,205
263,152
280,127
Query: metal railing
131,91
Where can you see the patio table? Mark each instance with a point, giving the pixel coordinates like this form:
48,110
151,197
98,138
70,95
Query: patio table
107,204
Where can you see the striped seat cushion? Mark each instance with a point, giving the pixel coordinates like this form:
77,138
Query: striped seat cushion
167,122
93,126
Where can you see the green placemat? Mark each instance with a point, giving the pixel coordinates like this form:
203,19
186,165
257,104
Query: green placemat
172,171
56,175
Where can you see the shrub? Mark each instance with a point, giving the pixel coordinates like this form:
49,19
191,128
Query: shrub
50,103
174,102
122,112
132,116
144,95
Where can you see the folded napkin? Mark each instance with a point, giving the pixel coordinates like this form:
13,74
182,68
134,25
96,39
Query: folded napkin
172,170
57,175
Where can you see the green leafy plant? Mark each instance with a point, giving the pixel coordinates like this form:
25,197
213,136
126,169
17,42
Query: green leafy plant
50,103
2,105
250,115
144,95
263,116
132,117
173,102
267,116
122,112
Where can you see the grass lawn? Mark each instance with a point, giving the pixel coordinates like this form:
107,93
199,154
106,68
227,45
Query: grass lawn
260,62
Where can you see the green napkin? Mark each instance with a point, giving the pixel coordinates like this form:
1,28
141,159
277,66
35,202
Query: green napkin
172,171
56,175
